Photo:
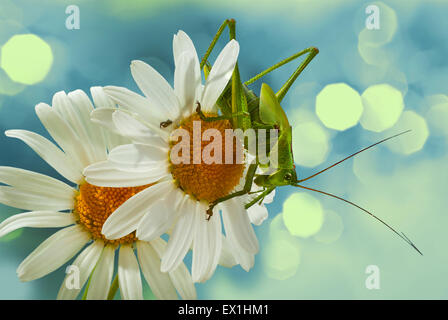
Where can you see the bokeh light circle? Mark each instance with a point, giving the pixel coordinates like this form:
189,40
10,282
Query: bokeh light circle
412,141
437,118
26,58
302,214
383,105
281,258
339,106
331,229
310,144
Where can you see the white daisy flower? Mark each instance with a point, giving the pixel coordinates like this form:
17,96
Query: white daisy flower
82,210
180,195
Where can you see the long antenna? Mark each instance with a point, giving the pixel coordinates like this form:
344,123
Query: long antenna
352,155
401,235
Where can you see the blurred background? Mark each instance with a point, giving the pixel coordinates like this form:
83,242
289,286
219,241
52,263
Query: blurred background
364,85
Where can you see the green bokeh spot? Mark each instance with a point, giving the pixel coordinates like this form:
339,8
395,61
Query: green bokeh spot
339,106
26,58
302,214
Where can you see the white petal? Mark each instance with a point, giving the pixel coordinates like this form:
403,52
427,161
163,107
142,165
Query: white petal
270,197
85,262
92,135
220,75
159,282
28,201
257,214
105,174
215,245
242,257
227,259
53,253
62,133
138,156
136,103
36,219
102,275
181,44
100,98
156,88
36,183
186,82
206,245
132,128
127,217
180,276
160,216
49,153
237,225
69,113
129,275
181,237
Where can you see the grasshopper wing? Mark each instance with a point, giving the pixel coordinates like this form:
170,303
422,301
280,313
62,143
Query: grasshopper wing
270,109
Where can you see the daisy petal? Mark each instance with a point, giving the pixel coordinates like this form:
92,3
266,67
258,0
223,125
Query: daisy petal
160,217
181,237
85,263
186,81
53,253
102,275
220,75
159,282
180,276
104,174
36,183
129,275
181,44
227,259
28,201
36,219
127,217
237,225
155,87
206,245
136,103
92,134
138,156
257,214
62,133
132,128
101,99
242,257
67,111
63,164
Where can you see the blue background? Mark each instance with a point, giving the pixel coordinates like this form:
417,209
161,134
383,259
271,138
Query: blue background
408,191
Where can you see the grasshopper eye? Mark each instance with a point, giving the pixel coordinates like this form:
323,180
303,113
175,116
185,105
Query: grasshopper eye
287,177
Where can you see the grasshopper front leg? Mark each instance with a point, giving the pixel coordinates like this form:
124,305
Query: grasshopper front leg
246,189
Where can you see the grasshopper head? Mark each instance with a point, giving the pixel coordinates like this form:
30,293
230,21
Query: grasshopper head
281,177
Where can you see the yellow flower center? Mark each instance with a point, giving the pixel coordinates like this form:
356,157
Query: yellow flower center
95,204
207,182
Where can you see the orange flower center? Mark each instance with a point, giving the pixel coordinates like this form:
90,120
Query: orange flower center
208,181
95,204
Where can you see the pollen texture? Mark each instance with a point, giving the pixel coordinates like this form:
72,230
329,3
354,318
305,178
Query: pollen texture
209,181
95,204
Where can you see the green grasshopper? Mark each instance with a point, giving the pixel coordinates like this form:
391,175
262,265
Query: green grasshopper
241,105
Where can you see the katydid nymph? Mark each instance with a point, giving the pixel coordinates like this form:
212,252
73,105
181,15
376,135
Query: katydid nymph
246,110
